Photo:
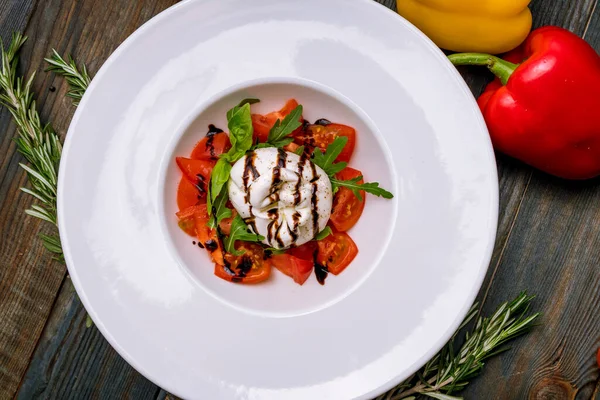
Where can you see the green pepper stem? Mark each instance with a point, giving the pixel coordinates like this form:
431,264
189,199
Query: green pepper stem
499,67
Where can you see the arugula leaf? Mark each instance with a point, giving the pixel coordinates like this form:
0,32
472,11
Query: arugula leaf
323,234
242,103
299,150
219,210
281,129
239,231
218,179
240,132
369,187
326,161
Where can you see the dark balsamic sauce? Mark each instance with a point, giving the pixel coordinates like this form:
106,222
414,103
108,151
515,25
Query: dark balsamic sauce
211,245
314,199
200,245
321,273
209,146
322,122
297,194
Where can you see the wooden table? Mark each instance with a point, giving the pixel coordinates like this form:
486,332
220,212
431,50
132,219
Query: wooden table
548,238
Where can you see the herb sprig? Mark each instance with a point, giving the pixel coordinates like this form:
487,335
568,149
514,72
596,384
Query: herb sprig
450,371
78,80
327,163
279,133
39,144
239,231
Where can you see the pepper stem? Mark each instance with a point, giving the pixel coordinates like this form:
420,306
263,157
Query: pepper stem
501,68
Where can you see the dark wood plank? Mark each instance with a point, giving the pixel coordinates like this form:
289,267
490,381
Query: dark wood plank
24,263
30,280
72,361
551,253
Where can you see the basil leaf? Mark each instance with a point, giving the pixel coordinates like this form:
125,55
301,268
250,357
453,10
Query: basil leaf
219,210
242,103
275,251
239,231
324,233
299,150
218,179
326,161
281,129
369,187
240,132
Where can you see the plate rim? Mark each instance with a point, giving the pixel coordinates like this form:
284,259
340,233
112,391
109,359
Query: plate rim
455,75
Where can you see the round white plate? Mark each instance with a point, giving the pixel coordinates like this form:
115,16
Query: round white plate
423,255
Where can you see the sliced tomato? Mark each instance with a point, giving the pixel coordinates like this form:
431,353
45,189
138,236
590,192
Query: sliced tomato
207,237
197,172
262,124
297,263
322,135
336,252
250,267
187,218
347,208
187,194
211,146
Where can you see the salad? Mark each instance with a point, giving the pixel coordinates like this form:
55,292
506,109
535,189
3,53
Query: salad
276,192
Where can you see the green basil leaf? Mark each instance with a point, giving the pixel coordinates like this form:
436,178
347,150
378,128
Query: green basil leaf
218,179
249,100
240,133
299,150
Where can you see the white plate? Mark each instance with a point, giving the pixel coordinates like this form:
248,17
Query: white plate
423,255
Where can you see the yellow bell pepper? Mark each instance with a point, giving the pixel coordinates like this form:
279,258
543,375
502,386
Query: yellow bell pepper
482,26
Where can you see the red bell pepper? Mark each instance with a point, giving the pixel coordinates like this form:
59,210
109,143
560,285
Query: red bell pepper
544,107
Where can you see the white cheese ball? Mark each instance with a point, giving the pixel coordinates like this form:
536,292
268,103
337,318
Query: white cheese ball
281,196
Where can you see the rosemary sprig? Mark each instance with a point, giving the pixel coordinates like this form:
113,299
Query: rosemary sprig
78,80
40,145
449,371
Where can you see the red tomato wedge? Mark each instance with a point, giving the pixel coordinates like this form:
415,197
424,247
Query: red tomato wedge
336,252
262,124
208,237
250,267
187,218
187,194
323,135
297,263
347,208
197,172
211,146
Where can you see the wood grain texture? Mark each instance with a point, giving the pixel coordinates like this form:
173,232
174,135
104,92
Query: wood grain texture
75,362
30,280
545,243
551,253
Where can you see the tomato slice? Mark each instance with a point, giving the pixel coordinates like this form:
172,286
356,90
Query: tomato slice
187,194
297,263
347,208
187,218
262,124
250,267
207,237
323,134
336,252
211,146
197,172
